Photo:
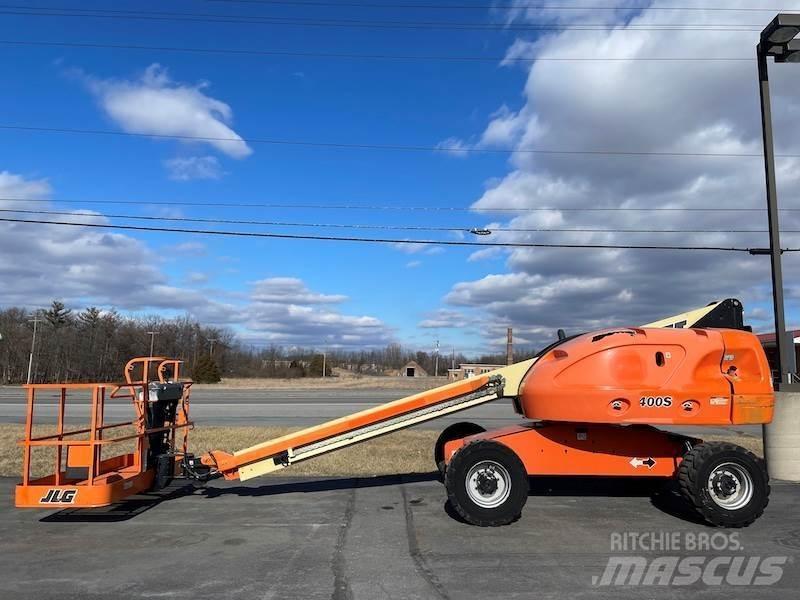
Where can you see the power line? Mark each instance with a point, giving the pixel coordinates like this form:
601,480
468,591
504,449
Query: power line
404,208
464,228
291,236
403,147
347,55
493,6
41,11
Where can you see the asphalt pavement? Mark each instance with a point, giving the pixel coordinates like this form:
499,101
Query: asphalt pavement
221,406
393,538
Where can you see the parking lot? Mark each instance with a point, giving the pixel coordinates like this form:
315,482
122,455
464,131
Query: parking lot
388,537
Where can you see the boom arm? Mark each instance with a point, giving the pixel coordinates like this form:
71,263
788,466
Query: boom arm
281,452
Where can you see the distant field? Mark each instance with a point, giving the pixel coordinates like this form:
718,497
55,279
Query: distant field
402,452
320,383
343,380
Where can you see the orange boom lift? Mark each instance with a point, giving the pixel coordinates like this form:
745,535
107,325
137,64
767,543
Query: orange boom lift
591,402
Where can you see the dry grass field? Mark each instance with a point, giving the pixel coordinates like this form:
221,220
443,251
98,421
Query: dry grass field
343,381
402,452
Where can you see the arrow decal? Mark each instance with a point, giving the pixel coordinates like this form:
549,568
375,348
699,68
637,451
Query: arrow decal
643,462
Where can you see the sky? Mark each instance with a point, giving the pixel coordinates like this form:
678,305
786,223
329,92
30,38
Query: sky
459,136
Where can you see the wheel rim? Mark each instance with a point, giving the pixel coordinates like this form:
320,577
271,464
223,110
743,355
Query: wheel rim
730,486
488,484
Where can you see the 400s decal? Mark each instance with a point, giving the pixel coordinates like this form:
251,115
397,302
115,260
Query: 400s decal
655,401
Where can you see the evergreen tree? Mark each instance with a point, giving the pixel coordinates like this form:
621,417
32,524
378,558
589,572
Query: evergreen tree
58,315
315,368
206,370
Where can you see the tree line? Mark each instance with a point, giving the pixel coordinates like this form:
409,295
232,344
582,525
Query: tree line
94,345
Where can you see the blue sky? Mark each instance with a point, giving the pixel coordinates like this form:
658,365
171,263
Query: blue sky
366,101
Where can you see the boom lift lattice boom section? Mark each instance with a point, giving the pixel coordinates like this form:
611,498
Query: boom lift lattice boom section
373,422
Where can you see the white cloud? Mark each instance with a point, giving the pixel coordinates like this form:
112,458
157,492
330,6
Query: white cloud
42,262
290,289
519,52
283,310
418,248
454,147
485,254
637,105
196,277
186,249
413,264
155,104
187,168
84,266
444,319
17,187
504,128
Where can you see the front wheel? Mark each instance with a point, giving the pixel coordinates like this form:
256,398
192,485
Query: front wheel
487,484
727,484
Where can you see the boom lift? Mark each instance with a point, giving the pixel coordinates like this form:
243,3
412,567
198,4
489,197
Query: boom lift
591,401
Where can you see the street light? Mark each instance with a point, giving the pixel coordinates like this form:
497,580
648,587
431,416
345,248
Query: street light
35,320
778,41
152,335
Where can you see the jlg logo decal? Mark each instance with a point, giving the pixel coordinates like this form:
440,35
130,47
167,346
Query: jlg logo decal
56,496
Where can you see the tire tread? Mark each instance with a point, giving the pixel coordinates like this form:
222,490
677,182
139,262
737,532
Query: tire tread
454,471
688,479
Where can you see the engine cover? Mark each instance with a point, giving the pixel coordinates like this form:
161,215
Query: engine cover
656,376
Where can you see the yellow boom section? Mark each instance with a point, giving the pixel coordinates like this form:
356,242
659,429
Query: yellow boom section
372,422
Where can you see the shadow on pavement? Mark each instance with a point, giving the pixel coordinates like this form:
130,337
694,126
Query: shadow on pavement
121,511
663,497
320,485
663,494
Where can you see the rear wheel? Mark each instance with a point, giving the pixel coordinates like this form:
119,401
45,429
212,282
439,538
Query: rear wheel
727,484
487,484
456,431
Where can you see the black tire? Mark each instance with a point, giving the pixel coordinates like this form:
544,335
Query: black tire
456,431
729,470
164,471
466,463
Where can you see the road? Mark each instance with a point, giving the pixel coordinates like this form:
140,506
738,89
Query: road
388,538
252,407
279,407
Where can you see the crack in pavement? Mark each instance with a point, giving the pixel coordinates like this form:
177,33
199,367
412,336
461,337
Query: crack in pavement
341,585
422,566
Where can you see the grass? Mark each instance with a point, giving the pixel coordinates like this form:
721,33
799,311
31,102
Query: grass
401,452
408,451
342,380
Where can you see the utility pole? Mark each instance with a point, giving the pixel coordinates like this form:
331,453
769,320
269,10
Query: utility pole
35,320
211,343
323,363
436,360
152,335
777,40
509,346
453,359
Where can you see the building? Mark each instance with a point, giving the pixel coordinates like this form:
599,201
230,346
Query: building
413,369
768,342
467,370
